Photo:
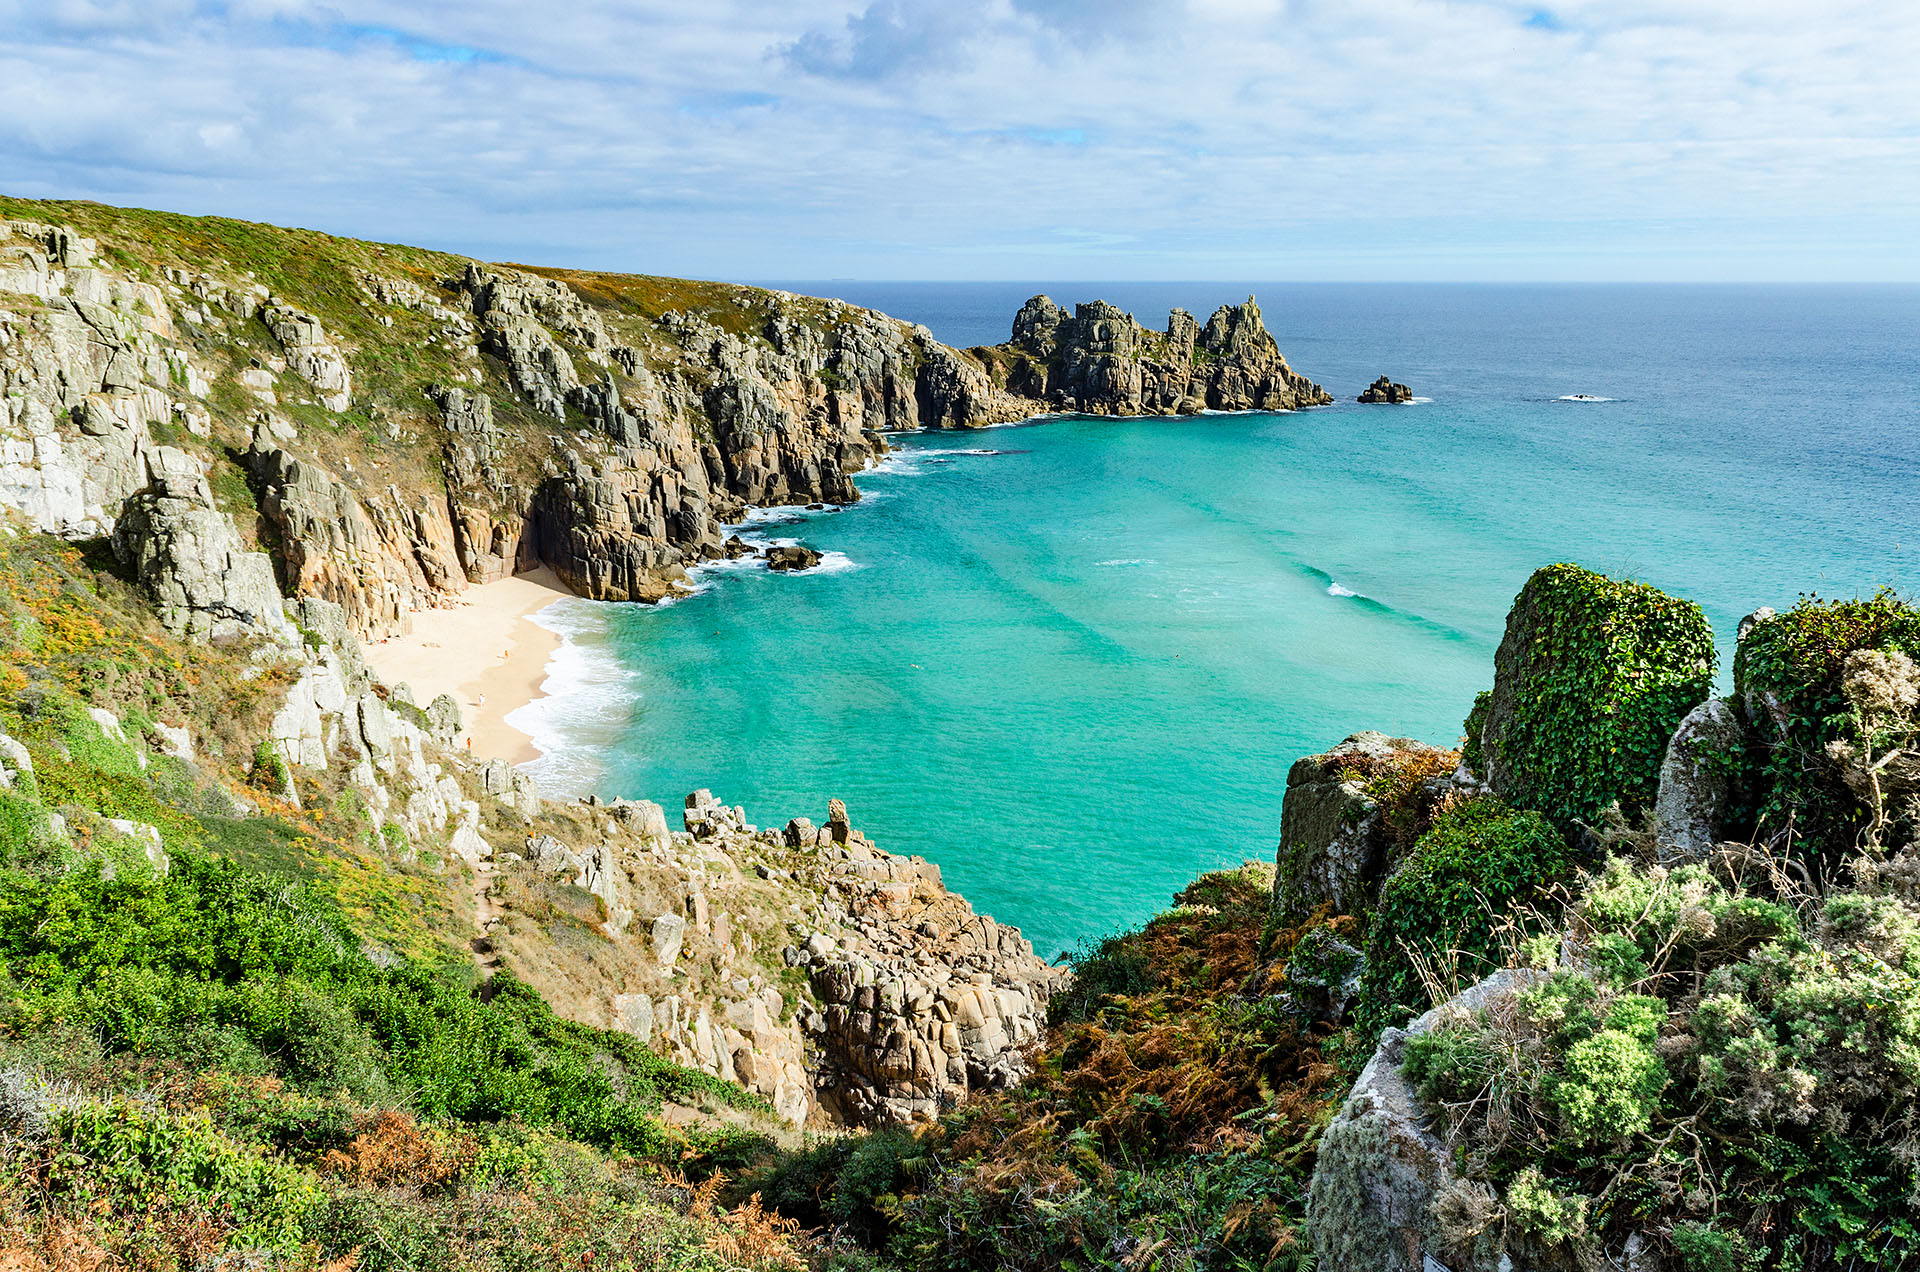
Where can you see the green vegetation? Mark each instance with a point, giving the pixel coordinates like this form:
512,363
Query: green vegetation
1826,708
1732,1071
1443,917
1594,675
1170,1123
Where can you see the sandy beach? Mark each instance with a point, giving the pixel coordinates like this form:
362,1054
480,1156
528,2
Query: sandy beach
486,651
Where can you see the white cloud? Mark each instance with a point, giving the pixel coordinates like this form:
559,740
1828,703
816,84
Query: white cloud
1004,138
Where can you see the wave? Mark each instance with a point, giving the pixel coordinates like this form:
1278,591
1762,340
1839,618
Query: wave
1583,397
1341,591
587,692
1129,561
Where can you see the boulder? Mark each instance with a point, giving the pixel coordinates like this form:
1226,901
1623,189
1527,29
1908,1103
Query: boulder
1696,781
1380,1164
792,557
669,931
1385,390
1334,844
633,1014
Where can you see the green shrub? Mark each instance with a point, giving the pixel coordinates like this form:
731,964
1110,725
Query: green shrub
1704,1045
1111,966
1542,1213
1443,906
1608,1088
1590,681
214,962
139,1158
1790,671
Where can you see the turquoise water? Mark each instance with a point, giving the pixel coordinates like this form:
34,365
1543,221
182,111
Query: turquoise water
1071,661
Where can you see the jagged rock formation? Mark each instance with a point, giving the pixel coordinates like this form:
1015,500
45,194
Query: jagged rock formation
1381,1167
204,584
83,353
378,558
909,1000
1696,797
1385,391
922,1000
1099,361
310,355
1335,845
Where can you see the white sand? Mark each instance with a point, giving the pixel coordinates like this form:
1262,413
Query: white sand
485,651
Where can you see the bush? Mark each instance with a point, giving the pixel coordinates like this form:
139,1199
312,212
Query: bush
138,1159
1114,965
1791,672
215,963
1704,1051
1590,681
1480,861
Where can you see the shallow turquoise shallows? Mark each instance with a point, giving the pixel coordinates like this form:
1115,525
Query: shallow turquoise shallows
1071,661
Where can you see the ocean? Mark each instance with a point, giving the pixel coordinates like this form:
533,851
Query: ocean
1071,661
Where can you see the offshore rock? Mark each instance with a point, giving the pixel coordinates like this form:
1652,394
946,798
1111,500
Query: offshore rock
1100,361
1384,390
791,557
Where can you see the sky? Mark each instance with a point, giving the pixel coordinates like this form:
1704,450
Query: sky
1719,140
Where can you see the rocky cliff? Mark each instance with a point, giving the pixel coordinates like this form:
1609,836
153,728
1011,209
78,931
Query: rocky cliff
237,412
1099,361
392,424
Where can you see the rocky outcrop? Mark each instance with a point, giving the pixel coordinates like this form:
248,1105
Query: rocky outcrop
923,1000
85,365
1335,845
785,557
1099,361
1385,391
378,558
1591,679
1695,803
310,355
1381,1165
186,553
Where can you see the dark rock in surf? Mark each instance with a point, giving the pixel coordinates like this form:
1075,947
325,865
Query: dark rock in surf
1386,391
792,558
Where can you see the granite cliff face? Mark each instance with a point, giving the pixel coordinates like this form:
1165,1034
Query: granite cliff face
391,425
1099,361
246,415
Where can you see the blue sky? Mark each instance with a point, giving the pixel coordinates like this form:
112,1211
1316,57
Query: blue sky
1006,139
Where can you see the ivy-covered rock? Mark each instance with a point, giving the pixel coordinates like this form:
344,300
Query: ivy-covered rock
1590,681
1824,689
1441,909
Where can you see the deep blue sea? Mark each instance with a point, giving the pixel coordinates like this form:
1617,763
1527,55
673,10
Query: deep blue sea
1071,661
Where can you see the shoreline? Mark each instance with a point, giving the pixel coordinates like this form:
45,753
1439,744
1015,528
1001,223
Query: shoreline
487,652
